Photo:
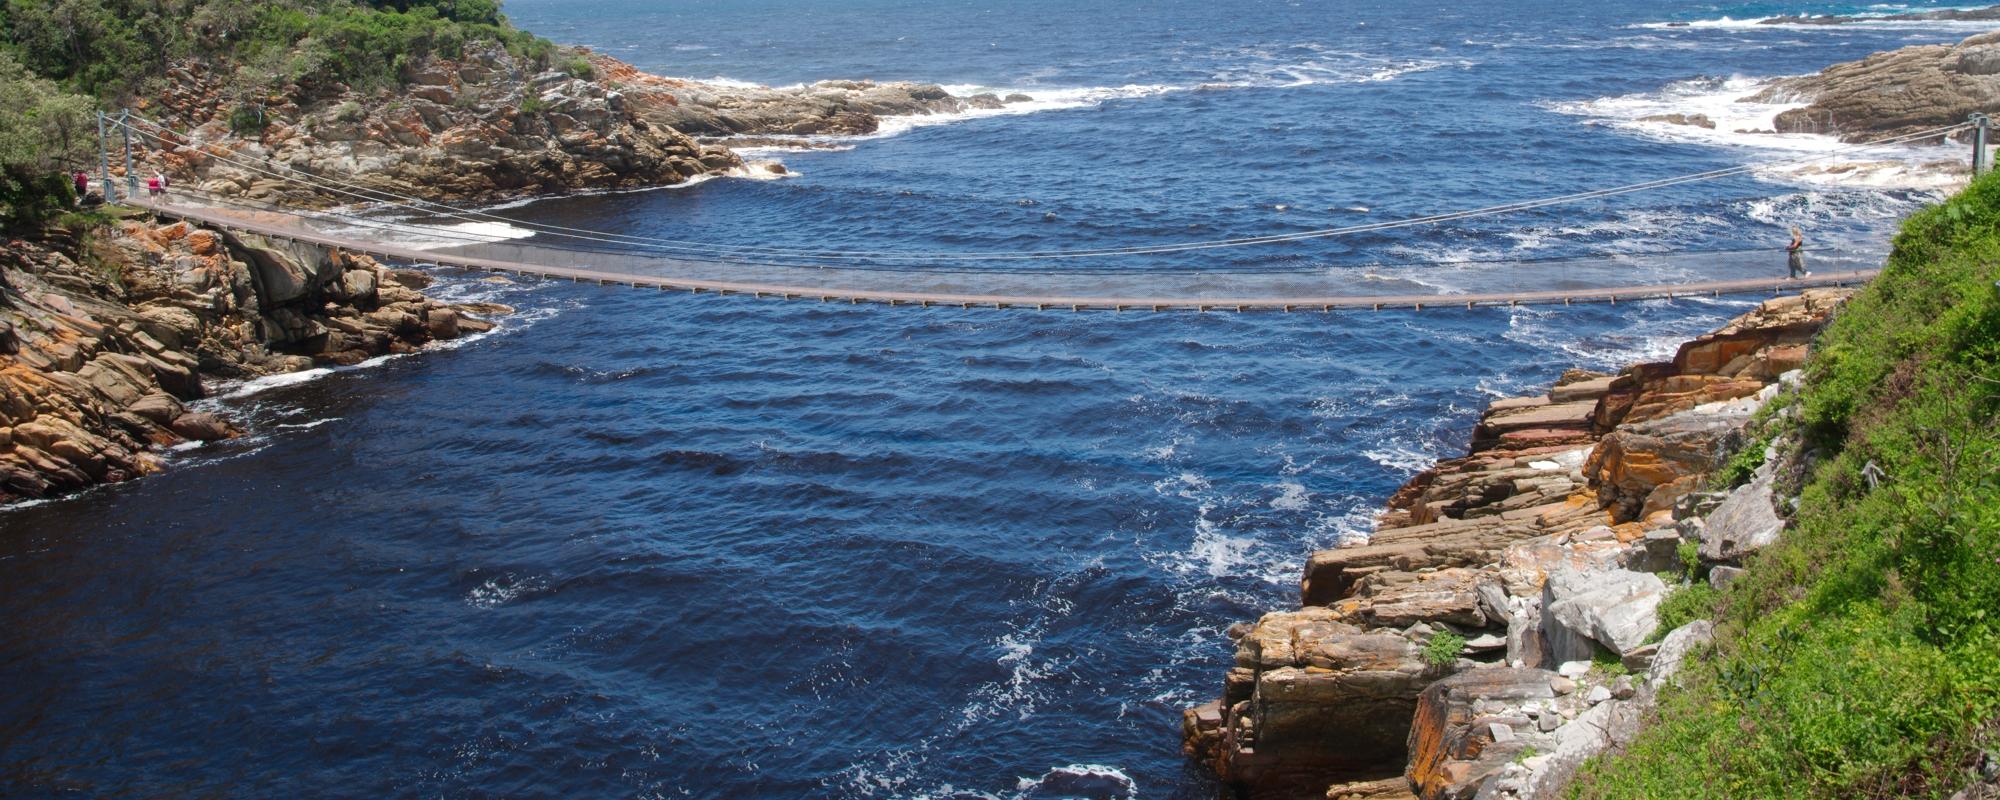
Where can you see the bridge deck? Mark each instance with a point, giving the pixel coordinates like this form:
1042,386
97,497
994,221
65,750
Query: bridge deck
275,225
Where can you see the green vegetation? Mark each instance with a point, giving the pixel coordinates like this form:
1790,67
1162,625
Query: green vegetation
1860,656
116,48
1443,649
43,138
1685,604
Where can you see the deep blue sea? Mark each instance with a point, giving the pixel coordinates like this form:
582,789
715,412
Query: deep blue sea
639,544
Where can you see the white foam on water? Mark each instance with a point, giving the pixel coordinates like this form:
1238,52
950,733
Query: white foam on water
1745,125
1401,456
1089,781
1292,496
232,391
502,589
305,426
426,236
1874,19
1262,69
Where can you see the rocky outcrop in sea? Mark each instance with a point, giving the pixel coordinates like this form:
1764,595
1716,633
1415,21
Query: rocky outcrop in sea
1893,93
841,108
1500,625
106,337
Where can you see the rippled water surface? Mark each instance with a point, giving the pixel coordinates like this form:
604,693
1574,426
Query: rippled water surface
653,545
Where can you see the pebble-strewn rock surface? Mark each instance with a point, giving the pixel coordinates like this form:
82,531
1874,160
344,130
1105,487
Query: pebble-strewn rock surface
1893,93
105,337
1539,549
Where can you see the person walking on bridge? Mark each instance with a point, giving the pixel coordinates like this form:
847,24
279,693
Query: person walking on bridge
1795,261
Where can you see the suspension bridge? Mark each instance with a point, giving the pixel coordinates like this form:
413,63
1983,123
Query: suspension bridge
950,278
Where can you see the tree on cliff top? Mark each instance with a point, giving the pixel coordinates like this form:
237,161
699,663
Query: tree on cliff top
42,138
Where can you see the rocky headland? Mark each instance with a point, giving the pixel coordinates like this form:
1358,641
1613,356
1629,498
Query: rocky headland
490,125
1501,625
1898,92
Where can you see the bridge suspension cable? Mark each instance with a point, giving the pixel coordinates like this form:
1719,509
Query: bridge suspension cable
743,253
469,239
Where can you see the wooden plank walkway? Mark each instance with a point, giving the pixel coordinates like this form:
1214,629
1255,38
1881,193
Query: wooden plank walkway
264,224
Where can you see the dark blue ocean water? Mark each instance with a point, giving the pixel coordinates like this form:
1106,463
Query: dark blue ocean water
651,545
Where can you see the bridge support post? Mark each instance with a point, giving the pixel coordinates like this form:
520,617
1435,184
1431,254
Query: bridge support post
1979,126
104,162
131,178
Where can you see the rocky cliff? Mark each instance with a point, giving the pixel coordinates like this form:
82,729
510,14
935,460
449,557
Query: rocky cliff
1469,636
106,336
1897,92
491,126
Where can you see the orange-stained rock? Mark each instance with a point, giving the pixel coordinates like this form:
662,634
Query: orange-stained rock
1452,745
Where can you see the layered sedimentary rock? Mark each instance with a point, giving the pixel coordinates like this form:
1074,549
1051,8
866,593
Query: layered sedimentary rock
1901,91
1535,555
105,338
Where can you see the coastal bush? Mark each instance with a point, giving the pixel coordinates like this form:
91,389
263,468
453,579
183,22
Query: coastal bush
44,133
1857,656
246,120
579,67
116,48
1685,604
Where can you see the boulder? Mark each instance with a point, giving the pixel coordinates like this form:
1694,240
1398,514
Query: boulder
1642,468
202,426
1311,698
1743,523
1469,726
1615,609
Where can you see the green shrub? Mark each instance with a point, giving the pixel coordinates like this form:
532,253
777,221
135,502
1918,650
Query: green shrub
579,67
1443,649
1683,605
247,120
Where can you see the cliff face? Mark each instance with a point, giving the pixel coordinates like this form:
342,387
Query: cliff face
1460,638
488,127
1897,92
480,128
104,337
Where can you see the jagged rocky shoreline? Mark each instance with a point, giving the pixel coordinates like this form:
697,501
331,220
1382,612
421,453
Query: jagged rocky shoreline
107,334
1499,627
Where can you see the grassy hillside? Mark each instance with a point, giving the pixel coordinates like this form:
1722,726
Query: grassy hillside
1860,657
